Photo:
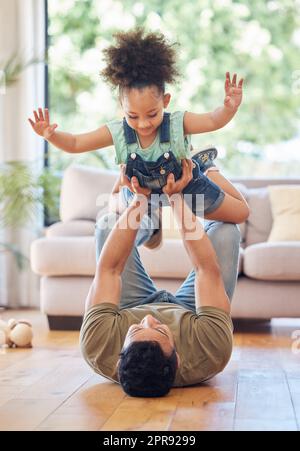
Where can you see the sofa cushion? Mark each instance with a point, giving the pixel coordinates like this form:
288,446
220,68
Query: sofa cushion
171,230
260,220
79,227
75,256
273,261
80,191
285,205
163,262
63,256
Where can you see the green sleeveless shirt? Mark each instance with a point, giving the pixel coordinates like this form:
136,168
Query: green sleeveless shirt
179,144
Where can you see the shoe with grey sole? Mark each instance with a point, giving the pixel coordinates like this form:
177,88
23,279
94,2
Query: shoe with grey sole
210,153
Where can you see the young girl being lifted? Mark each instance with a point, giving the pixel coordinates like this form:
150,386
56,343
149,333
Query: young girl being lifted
151,144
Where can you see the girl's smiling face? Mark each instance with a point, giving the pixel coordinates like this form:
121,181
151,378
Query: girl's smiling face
144,108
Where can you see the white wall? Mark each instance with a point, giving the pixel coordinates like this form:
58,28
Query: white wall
21,30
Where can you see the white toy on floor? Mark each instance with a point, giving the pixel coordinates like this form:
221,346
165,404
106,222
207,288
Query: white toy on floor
15,333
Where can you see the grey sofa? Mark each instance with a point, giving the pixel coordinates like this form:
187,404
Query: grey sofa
269,273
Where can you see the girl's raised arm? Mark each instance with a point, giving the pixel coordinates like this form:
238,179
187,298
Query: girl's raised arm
208,122
84,142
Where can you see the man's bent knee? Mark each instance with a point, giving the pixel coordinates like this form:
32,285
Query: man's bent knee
232,232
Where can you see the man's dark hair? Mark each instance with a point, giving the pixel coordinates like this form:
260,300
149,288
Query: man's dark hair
144,370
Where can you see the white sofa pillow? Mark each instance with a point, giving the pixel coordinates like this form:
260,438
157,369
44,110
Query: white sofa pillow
260,219
80,189
285,204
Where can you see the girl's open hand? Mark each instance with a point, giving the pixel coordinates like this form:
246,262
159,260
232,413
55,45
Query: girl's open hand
233,92
42,125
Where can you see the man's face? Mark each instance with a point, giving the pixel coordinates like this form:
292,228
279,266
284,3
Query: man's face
144,109
151,329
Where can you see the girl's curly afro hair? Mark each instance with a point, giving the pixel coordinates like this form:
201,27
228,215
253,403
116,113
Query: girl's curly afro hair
138,60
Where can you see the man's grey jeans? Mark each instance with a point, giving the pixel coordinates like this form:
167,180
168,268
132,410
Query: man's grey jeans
138,287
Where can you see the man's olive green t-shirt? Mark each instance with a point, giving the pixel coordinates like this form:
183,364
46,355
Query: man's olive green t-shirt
203,339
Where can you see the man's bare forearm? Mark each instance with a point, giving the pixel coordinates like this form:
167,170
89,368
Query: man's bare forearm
120,241
209,285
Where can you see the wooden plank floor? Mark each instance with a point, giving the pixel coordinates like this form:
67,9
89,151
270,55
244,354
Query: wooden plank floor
49,387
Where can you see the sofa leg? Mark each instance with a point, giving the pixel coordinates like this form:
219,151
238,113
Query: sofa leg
259,325
64,322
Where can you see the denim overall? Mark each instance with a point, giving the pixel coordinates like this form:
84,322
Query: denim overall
153,174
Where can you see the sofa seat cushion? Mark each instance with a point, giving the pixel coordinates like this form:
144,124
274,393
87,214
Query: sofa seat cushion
278,261
79,227
169,261
71,256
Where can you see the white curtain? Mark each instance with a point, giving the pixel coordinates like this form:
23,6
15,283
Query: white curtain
22,30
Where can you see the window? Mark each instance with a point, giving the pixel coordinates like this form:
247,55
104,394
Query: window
260,43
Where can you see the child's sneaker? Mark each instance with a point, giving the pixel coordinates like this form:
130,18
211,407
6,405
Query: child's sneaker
210,153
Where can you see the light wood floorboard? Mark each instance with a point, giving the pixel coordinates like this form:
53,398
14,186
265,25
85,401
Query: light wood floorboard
50,387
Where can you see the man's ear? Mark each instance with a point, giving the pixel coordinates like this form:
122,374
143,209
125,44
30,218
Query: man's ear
167,98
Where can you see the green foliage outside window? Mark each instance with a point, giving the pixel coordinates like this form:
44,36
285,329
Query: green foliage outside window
260,40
